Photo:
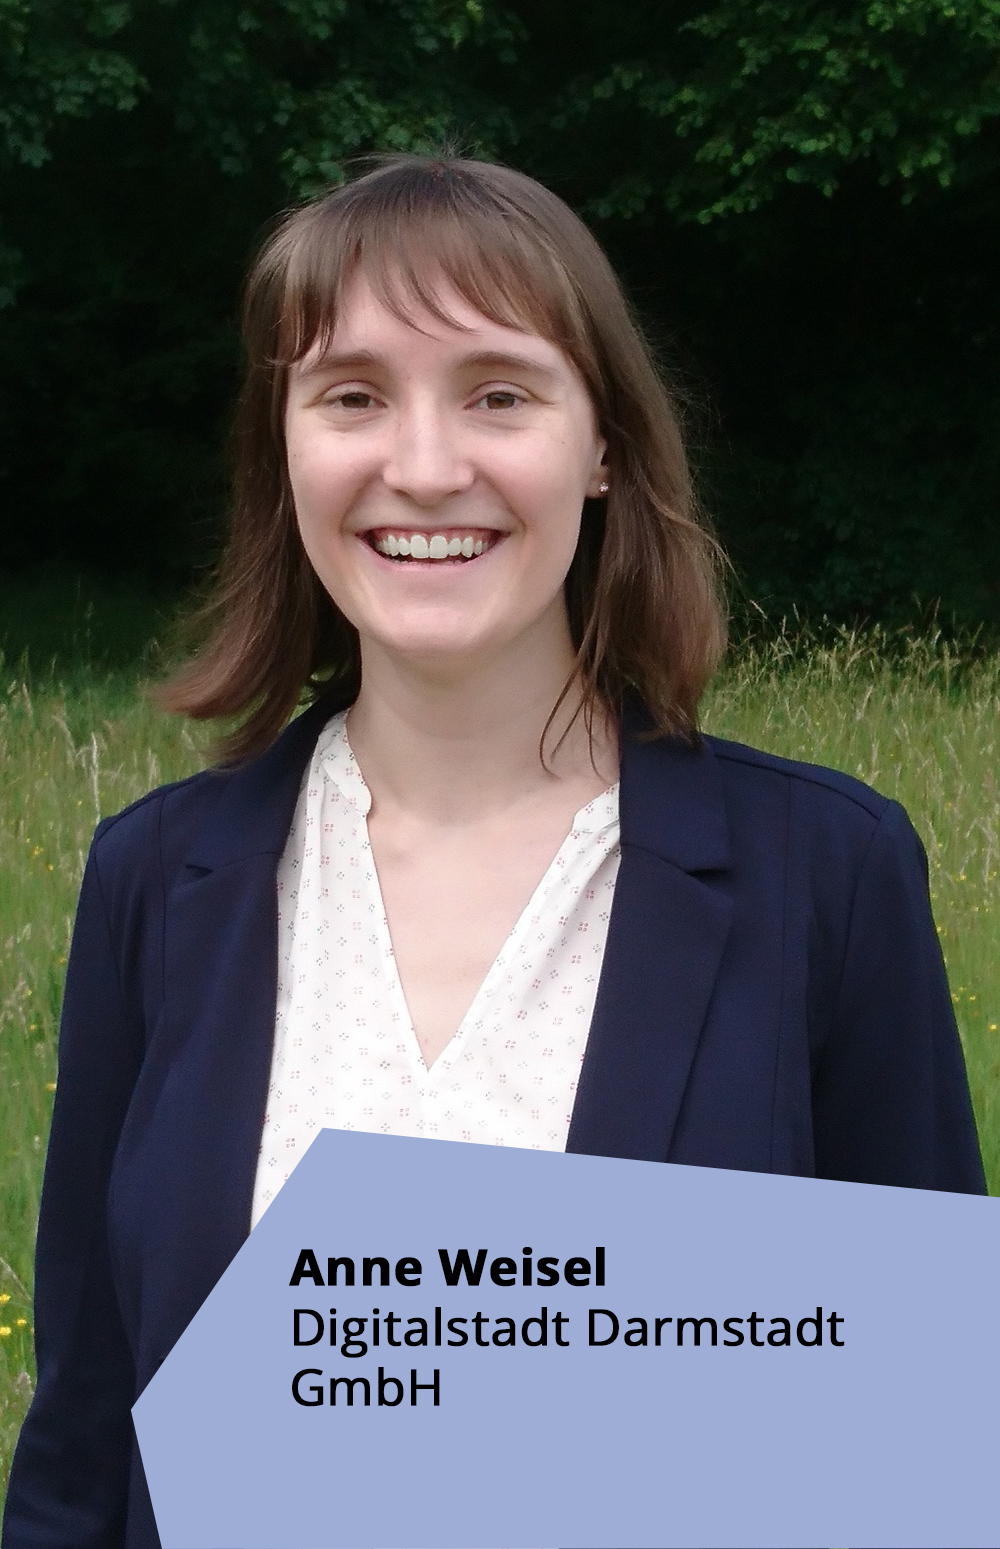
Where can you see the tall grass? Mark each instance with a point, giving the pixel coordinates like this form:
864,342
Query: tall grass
915,718
920,721
68,755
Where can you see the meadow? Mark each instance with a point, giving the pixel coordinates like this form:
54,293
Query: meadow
916,717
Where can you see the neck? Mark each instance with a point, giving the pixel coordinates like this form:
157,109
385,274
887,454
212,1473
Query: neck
455,744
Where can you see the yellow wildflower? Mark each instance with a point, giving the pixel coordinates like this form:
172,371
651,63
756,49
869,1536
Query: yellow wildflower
4,1331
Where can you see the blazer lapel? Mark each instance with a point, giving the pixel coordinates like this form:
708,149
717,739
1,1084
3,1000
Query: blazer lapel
199,1107
666,937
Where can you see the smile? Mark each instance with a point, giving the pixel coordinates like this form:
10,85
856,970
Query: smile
455,544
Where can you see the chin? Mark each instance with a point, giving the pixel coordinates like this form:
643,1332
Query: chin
438,653
432,632
439,645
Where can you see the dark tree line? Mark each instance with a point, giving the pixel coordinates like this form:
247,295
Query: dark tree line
802,196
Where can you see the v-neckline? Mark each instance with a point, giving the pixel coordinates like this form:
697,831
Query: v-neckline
507,949
341,766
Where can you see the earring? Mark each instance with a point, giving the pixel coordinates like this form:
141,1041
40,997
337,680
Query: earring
603,487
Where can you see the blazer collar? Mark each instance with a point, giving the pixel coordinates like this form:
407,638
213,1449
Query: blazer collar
672,800
254,811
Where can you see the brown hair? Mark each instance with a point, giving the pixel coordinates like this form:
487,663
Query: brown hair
642,591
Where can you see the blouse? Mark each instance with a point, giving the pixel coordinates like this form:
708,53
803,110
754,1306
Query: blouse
345,1052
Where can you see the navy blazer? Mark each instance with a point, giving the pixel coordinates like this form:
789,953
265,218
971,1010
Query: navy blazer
772,998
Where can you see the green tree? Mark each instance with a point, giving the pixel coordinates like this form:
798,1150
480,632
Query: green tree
724,108
802,196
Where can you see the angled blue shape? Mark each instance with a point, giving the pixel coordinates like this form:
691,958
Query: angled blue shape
887,1438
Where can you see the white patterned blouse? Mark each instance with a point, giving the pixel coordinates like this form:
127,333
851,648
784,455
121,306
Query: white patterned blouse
345,1053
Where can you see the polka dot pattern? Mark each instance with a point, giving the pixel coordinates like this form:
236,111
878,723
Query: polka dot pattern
345,1053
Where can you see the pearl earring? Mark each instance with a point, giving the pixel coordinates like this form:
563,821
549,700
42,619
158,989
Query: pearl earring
603,487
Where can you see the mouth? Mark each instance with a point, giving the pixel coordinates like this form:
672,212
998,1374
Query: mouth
455,545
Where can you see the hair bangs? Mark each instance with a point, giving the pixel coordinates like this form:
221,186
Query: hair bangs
411,255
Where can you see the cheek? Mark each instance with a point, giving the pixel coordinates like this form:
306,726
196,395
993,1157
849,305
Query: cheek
546,483
321,485
554,497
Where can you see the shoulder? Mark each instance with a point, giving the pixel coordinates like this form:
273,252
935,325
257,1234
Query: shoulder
178,803
706,804
832,814
220,815
156,830
749,767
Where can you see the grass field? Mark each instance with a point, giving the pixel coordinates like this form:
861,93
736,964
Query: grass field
918,720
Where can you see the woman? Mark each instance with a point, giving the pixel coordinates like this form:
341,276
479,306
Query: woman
492,885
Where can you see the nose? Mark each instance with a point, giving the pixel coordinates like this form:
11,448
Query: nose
425,461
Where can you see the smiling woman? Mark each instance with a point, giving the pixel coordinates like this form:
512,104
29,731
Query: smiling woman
492,885
412,440
463,311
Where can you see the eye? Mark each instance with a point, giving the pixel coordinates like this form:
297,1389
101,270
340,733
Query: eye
352,398
499,398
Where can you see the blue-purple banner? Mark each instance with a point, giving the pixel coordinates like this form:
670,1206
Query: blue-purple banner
453,1346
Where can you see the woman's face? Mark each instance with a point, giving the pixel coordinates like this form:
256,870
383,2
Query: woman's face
439,474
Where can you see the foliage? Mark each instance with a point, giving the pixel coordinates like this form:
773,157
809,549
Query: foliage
297,84
801,196
774,93
56,61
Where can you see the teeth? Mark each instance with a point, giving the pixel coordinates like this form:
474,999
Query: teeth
417,545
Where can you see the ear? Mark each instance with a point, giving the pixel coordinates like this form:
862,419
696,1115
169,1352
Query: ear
600,479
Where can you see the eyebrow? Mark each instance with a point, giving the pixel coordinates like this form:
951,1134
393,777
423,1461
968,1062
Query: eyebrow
485,360
330,361
481,360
